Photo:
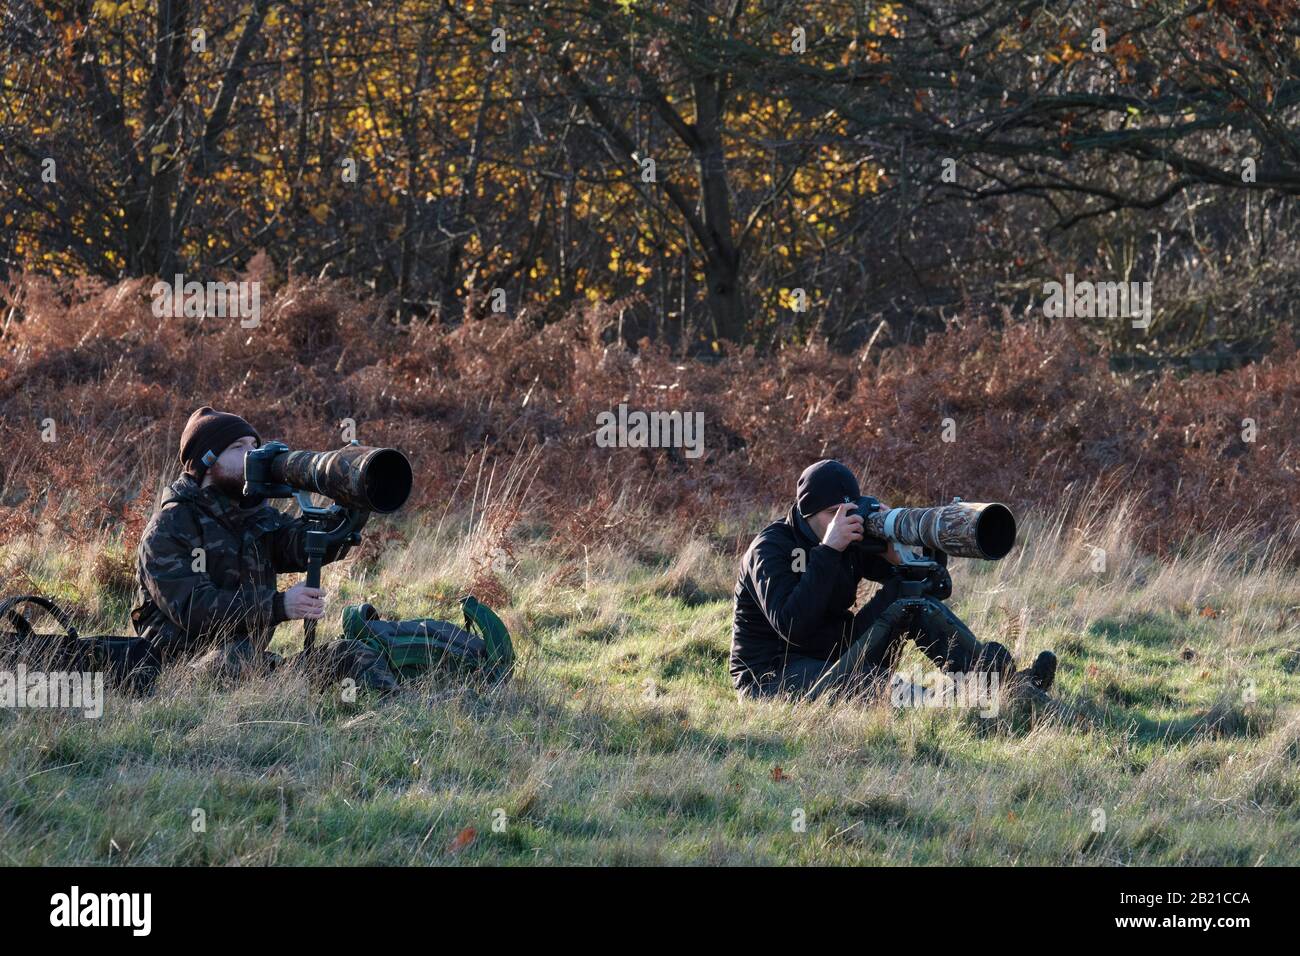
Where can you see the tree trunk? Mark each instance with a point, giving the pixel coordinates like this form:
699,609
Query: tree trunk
722,258
726,304
165,92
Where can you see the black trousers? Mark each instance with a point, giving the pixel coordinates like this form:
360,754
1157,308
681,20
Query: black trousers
881,629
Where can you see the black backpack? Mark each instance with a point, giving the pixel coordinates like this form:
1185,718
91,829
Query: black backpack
129,661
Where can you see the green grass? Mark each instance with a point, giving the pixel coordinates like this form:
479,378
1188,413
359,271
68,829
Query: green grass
619,740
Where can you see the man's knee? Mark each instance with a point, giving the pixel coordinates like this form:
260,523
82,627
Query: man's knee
346,659
994,657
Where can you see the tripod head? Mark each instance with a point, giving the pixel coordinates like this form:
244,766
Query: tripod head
923,575
326,526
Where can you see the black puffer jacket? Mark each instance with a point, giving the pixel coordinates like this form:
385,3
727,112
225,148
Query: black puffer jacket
781,611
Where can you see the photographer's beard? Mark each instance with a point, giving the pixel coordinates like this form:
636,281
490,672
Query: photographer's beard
229,481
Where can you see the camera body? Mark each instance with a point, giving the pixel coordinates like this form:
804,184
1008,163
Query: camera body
866,505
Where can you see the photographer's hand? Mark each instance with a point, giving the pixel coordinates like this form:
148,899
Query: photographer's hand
302,603
845,528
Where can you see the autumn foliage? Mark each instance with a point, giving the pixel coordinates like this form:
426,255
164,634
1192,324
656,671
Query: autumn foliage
1035,416
761,173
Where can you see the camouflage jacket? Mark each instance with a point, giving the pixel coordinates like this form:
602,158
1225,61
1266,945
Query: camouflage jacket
207,567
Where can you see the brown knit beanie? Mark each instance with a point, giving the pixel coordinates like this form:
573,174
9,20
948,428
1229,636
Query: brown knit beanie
206,436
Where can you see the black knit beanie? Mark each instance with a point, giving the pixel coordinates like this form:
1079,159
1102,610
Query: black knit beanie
824,484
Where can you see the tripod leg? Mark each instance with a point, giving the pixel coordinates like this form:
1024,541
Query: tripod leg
870,653
946,640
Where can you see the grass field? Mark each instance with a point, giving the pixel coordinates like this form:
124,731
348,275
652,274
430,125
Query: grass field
620,742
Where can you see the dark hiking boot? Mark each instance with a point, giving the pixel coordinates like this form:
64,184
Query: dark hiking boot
1043,673
1031,684
344,659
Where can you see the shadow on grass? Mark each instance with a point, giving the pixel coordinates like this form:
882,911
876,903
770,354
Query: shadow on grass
1226,719
1147,628
691,592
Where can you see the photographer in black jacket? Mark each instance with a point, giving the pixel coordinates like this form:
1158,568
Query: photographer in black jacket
793,631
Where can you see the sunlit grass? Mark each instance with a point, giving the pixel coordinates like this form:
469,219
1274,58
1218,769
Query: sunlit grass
620,741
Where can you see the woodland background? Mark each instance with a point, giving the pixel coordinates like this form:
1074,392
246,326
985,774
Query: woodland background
504,146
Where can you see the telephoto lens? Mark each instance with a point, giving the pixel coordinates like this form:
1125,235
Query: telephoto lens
355,476
963,529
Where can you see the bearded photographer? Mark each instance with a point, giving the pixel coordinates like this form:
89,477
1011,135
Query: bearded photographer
208,562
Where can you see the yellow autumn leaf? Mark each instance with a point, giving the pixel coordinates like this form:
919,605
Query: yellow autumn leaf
110,11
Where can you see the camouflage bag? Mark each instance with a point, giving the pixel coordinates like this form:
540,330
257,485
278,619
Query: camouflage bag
413,647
